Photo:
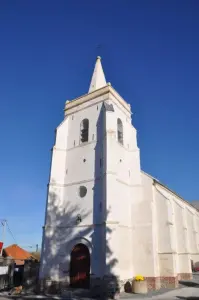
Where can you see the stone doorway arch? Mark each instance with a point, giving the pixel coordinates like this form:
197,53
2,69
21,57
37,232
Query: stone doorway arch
80,267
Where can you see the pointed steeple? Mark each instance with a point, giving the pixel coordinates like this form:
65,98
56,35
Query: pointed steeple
98,79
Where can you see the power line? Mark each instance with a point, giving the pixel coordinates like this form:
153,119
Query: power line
34,247
4,224
11,232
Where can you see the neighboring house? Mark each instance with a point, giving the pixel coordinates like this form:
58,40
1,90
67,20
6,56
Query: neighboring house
105,218
18,254
36,255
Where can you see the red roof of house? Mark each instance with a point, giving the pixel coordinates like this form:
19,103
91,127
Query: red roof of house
17,253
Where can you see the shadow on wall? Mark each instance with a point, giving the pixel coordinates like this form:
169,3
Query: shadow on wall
59,232
62,230
102,235
58,241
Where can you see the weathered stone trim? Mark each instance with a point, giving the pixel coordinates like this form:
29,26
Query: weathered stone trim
54,148
127,184
185,276
153,283
83,225
111,284
86,97
95,94
95,101
57,184
169,282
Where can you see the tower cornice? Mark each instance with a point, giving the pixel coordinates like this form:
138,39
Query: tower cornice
108,89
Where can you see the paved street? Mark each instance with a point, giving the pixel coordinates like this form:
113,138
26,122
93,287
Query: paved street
188,290
188,293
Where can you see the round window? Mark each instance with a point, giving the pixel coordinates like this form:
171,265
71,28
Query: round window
82,191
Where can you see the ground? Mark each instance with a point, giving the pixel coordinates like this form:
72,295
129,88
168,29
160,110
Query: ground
188,290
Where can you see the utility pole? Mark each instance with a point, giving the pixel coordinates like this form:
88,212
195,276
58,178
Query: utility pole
37,247
3,223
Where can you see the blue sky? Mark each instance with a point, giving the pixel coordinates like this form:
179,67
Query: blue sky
48,48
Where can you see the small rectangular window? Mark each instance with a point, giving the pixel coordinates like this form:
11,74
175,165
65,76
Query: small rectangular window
84,128
120,131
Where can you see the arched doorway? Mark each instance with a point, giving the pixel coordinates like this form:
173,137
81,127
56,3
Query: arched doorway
80,267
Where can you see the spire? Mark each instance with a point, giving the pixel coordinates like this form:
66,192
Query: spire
98,79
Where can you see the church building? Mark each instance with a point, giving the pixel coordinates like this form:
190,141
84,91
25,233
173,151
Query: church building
106,218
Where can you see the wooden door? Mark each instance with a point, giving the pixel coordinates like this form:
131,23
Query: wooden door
80,267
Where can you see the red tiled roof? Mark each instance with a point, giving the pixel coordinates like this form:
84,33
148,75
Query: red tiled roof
17,252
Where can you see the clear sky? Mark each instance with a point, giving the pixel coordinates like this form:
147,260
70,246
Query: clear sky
150,54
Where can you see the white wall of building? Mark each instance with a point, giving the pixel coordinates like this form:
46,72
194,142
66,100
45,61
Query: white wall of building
145,260
120,182
182,235
74,164
131,223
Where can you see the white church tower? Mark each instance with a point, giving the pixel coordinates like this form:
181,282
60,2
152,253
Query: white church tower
94,185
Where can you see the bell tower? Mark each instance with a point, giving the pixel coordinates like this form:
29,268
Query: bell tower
95,180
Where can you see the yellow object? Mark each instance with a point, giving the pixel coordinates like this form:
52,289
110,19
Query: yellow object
139,278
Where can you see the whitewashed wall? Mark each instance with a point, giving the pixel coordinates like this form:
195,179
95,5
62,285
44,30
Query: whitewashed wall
182,235
123,174
141,227
111,174
144,236
68,172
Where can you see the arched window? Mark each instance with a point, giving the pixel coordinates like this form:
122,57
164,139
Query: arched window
84,127
120,131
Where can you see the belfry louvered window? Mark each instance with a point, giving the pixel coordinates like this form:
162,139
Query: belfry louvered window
120,131
84,131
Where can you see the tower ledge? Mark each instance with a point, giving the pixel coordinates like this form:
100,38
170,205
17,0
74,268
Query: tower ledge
97,93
